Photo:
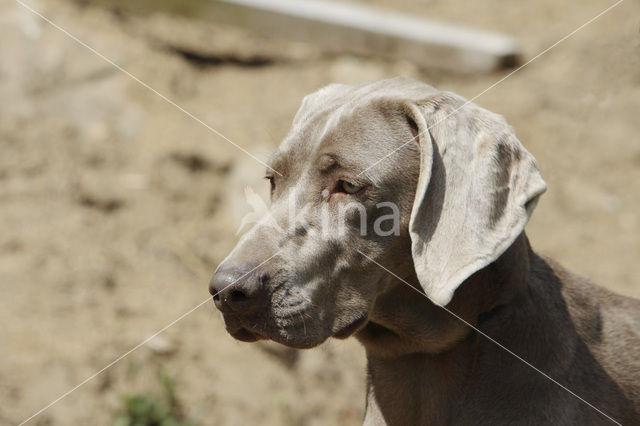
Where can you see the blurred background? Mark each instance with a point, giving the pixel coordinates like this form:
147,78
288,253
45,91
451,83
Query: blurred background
115,207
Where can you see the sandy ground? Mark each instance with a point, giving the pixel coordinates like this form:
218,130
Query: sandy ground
115,206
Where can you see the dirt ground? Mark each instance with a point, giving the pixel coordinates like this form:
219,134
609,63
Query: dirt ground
115,207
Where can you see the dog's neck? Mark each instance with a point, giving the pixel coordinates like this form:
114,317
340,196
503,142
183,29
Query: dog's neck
403,322
410,337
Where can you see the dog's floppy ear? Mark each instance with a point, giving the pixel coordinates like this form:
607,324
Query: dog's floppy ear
477,189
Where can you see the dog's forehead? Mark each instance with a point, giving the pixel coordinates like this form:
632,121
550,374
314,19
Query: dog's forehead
344,132
338,117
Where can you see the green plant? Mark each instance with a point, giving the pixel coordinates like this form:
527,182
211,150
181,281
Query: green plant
152,409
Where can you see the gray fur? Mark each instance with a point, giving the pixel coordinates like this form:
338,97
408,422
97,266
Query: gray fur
465,189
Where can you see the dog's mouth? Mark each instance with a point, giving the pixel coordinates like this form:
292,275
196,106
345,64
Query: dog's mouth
240,331
245,335
266,328
296,328
300,336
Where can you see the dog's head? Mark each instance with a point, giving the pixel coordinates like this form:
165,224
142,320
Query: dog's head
391,172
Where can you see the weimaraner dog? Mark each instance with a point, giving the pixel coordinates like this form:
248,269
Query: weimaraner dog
410,208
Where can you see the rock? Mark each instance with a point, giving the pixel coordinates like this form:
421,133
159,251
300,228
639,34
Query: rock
160,345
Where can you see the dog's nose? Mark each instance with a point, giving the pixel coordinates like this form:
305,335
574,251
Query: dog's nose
238,289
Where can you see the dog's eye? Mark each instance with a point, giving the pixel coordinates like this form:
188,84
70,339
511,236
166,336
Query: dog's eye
349,188
271,181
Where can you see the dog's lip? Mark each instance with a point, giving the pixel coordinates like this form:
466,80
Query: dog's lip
240,331
245,335
351,328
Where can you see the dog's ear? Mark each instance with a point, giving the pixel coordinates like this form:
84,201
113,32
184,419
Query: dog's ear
477,189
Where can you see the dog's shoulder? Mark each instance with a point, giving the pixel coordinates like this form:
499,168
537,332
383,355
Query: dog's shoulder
601,316
608,323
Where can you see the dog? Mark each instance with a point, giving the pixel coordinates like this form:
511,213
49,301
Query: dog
411,205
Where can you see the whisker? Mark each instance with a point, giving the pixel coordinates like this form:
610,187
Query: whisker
303,324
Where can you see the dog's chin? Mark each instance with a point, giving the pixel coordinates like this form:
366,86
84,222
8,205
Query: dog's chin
290,338
297,341
301,337
293,335
298,338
